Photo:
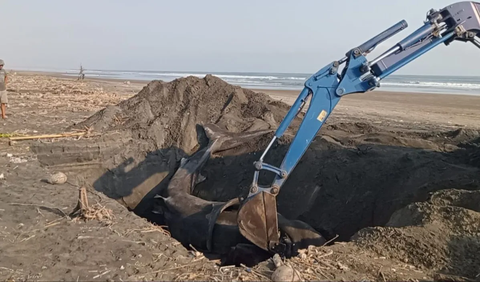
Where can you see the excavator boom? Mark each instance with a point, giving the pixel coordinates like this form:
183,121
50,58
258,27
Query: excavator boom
257,217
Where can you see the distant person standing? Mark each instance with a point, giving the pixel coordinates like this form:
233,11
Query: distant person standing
81,75
3,89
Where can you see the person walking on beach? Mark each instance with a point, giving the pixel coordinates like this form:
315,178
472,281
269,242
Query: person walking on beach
3,89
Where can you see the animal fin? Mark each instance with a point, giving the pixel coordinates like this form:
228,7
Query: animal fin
200,178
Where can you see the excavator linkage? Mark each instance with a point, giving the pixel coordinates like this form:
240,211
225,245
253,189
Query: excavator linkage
257,217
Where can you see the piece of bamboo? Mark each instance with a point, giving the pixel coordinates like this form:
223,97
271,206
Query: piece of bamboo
32,137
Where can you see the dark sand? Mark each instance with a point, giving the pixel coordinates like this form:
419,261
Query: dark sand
405,163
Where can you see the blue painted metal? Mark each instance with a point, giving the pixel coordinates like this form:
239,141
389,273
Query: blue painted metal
372,43
351,82
326,87
418,52
292,113
459,21
323,102
417,36
409,49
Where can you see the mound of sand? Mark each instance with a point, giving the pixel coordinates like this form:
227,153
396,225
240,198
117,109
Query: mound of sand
356,175
143,138
441,234
167,114
433,240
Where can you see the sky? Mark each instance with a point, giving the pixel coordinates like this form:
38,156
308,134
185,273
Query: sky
214,35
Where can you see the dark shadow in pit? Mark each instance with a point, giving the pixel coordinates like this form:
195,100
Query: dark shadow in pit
152,175
336,190
339,190
140,183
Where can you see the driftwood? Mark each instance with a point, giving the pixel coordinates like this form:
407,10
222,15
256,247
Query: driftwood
86,212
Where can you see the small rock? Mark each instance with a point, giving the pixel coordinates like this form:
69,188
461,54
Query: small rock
9,155
277,260
57,178
2,176
285,273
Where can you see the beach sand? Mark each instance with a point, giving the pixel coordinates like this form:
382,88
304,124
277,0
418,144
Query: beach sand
39,242
402,109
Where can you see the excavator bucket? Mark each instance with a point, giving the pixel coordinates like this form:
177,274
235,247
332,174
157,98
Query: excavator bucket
257,220
260,223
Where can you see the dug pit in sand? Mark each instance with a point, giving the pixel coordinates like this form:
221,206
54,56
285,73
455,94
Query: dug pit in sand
159,127
211,226
353,176
144,137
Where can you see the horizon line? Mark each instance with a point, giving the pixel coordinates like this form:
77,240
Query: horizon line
47,69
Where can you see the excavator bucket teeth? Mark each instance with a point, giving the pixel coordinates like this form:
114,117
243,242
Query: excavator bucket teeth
258,222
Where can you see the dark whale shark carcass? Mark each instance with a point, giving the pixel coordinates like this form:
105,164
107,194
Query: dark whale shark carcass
211,226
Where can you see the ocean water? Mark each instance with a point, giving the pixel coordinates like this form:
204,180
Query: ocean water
294,81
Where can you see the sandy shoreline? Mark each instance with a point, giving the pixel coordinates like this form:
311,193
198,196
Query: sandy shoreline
139,81
380,152
450,110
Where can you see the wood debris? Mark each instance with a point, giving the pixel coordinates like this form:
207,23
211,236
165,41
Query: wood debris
86,212
87,132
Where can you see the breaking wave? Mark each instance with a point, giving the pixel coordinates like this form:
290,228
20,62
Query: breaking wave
295,81
449,85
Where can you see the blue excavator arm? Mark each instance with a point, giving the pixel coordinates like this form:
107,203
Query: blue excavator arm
257,216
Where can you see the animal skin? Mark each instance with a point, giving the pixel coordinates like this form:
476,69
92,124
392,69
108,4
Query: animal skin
211,226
